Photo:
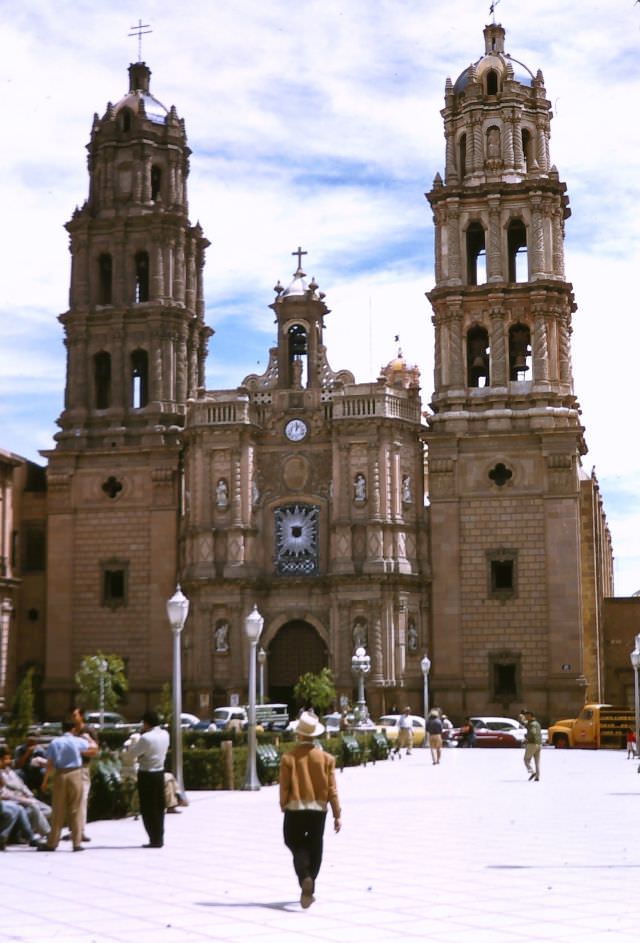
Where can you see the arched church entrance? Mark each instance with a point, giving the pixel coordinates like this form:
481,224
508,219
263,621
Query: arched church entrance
296,649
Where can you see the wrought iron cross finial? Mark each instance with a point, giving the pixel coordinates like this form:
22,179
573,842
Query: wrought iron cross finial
300,252
492,8
140,30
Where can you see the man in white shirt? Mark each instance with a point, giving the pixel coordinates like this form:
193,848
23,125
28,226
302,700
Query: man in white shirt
151,751
405,732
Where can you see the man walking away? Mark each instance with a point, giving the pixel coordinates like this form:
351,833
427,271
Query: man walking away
64,757
405,733
434,732
307,787
533,745
151,752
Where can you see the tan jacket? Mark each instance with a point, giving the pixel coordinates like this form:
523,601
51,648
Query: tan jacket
308,781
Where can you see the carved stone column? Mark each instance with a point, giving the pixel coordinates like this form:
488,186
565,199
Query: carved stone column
453,243
494,248
455,348
540,345
498,369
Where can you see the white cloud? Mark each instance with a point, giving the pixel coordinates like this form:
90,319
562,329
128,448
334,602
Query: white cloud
319,125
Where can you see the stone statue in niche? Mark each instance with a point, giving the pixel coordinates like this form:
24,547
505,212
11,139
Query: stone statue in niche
493,143
255,493
407,496
222,494
412,636
360,634
359,487
221,637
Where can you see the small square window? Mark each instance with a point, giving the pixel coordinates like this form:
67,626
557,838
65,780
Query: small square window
502,573
114,583
505,677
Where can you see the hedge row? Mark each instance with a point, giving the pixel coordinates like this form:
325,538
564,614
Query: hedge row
203,766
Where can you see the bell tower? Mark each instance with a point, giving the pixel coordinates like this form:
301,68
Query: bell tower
134,331
504,436
136,345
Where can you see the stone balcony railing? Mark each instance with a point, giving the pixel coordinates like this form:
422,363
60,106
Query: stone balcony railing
361,401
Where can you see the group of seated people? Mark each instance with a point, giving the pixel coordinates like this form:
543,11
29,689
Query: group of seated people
24,818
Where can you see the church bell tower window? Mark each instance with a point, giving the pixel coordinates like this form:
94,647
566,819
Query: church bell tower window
142,277
139,379
462,155
156,182
517,251
298,356
519,351
477,357
492,82
105,278
476,255
102,379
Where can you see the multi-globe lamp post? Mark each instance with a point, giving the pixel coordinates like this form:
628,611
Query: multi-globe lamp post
425,665
253,628
635,664
361,666
177,612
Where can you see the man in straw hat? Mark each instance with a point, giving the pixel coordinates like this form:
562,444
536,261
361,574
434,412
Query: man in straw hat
307,787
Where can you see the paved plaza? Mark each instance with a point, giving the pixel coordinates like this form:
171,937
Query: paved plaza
465,851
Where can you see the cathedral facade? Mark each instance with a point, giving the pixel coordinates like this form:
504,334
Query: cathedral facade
349,513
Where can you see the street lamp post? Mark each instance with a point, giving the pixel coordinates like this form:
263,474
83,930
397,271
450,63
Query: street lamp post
635,663
262,658
6,608
361,666
253,627
425,664
102,667
177,612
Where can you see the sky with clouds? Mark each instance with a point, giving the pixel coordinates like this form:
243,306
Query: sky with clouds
318,124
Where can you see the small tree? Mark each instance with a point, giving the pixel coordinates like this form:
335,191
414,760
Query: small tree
316,690
90,677
165,707
22,709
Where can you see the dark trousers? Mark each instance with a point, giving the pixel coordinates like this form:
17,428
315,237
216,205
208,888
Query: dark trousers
303,833
151,793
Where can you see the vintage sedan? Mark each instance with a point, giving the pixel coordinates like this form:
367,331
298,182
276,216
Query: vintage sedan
492,732
388,724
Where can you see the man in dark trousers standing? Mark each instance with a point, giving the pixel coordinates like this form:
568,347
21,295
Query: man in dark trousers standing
151,751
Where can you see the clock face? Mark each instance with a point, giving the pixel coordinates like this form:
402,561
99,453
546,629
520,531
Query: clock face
295,430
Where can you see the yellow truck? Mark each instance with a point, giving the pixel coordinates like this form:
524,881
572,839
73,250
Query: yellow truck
598,726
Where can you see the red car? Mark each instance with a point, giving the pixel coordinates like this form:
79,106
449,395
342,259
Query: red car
491,732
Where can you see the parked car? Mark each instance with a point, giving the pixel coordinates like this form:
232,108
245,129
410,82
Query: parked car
388,724
494,732
203,726
188,720
226,718
109,720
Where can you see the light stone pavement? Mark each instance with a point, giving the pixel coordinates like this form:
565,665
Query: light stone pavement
465,851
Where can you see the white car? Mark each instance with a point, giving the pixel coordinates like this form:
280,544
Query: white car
505,724
389,725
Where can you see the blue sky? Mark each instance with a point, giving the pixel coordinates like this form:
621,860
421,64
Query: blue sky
317,124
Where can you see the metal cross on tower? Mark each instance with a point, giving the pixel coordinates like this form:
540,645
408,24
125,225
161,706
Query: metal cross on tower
140,30
300,252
